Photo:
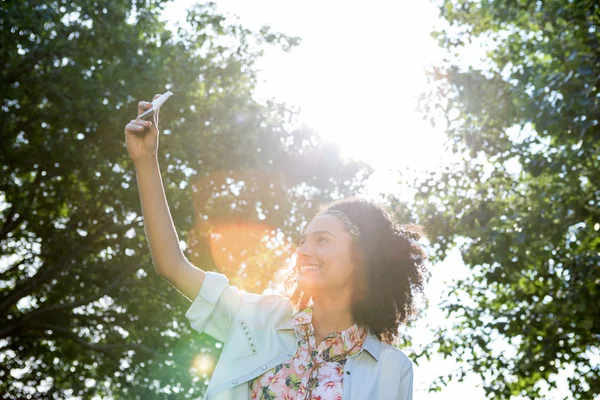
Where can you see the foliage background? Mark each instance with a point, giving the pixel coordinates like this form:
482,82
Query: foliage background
82,312
522,199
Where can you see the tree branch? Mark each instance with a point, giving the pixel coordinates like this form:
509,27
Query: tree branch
82,342
21,290
10,224
74,304
8,220
5,275
8,329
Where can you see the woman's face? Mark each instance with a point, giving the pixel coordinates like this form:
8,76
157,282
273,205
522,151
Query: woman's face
324,256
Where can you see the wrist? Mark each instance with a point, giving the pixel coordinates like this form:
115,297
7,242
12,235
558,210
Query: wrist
150,159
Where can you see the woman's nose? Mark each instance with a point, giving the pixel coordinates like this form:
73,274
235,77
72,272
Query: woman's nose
302,249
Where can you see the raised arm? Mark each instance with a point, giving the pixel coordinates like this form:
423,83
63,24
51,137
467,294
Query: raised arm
169,261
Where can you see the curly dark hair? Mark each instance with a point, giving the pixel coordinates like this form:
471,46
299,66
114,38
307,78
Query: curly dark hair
390,265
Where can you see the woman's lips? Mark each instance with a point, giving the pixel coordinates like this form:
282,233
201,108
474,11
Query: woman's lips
309,268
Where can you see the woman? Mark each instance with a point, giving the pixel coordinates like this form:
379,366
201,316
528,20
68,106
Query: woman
355,277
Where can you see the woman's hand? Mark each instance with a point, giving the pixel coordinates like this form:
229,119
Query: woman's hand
142,136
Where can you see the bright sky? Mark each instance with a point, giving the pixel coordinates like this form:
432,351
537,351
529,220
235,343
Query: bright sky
355,75
355,78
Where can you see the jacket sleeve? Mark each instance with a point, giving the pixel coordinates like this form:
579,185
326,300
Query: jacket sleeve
406,382
215,307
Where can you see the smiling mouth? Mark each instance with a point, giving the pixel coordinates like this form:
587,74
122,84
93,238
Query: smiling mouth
308,268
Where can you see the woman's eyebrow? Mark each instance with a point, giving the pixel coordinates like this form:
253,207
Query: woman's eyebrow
303,236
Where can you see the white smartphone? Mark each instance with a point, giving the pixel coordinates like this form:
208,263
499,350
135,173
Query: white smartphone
147,115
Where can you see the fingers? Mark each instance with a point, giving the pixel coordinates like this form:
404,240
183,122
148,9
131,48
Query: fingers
137,126
143,106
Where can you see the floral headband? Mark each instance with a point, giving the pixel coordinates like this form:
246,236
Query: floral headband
350,226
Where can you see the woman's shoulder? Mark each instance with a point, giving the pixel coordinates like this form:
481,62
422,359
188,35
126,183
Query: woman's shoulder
277,299
394,355
265,314
266,307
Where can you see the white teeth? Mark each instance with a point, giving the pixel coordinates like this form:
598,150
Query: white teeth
309,268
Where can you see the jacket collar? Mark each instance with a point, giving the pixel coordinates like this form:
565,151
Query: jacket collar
371,344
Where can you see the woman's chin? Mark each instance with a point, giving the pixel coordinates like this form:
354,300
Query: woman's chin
308,283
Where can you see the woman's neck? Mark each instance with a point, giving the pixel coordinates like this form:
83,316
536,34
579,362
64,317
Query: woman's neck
331,314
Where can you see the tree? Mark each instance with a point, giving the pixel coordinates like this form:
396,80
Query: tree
82,312
523,201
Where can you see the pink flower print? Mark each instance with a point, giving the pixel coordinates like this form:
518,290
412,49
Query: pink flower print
266,377
254,392
353,336
339,369
274,380
303,317
277,383
329,371
327,389
301,360
315,372
333,341
302,390
330,384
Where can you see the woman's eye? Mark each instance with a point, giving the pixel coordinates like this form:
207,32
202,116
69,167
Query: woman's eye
320,240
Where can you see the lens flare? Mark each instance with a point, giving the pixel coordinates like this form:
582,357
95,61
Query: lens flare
250,254
202,365
225,235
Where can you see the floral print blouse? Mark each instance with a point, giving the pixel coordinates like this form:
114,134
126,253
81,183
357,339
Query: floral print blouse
315,372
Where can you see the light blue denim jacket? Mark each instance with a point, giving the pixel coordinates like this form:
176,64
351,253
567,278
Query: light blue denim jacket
257,336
